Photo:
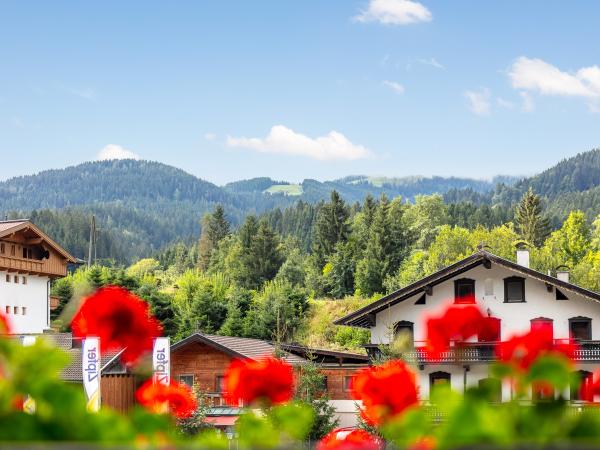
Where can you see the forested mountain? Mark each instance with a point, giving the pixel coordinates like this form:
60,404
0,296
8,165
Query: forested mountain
141,206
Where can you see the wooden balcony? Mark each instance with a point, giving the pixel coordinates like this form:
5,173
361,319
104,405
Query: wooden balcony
477,352
31,266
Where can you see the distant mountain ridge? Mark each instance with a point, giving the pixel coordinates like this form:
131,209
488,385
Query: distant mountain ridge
143,205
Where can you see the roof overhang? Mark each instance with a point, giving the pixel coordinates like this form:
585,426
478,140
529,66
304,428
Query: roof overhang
365,317
201,339
23,225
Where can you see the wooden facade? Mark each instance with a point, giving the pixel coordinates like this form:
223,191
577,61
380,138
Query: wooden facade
118,391
24,248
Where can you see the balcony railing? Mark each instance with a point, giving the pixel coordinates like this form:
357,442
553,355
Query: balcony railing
20,264
472,352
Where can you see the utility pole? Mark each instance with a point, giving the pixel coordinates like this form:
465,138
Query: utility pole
92,240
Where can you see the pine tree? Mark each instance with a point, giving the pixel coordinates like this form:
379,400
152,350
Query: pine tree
331,227
532,226
215,228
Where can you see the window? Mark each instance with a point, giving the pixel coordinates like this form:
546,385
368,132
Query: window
323,386
492,387
464,291
7,278
15,310
348,380
438,379
7,310
220,383
24,310
2,248
188,380
543,324
13,250
491,331
404,330
580,328
24,253
24,280
514,290
582,386
16,279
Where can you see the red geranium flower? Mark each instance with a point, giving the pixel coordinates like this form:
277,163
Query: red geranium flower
344,439
4,325
176,397
521,351
457,323
120,319
267,379
385,391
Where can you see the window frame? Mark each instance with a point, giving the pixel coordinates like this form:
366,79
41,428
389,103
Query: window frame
581,319
405,325
463,282
439,375
513,279
183,375
220,384
347,383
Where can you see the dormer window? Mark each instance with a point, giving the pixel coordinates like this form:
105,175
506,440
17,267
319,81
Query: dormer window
514,290
464,291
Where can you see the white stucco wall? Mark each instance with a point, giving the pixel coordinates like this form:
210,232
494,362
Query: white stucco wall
33,296
515,316
347,412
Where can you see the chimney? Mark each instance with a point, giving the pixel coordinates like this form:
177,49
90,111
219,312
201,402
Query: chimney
523,257
563,275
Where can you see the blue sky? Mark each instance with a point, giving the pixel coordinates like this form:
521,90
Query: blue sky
300,89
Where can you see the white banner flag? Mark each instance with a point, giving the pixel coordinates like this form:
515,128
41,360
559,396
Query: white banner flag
161,361
29,403
90,360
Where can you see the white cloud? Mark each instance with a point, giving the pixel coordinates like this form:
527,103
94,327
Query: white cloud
210,136
396,87
533,74
394,12
284,141
433,63
113,151
479,101
527,104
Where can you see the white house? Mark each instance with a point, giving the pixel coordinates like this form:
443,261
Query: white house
29,260
518,296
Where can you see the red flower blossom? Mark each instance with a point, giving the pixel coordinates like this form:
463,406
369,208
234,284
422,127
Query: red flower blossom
266,379
385,391
4,325
345,439
176,397
120,319
457,323
521,351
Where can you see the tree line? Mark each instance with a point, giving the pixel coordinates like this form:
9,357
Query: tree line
258,280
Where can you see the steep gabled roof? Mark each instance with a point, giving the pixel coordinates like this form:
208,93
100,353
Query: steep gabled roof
364,316
9,227
244,348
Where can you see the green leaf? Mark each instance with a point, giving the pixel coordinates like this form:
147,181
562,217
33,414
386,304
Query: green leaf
256,432
294,419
